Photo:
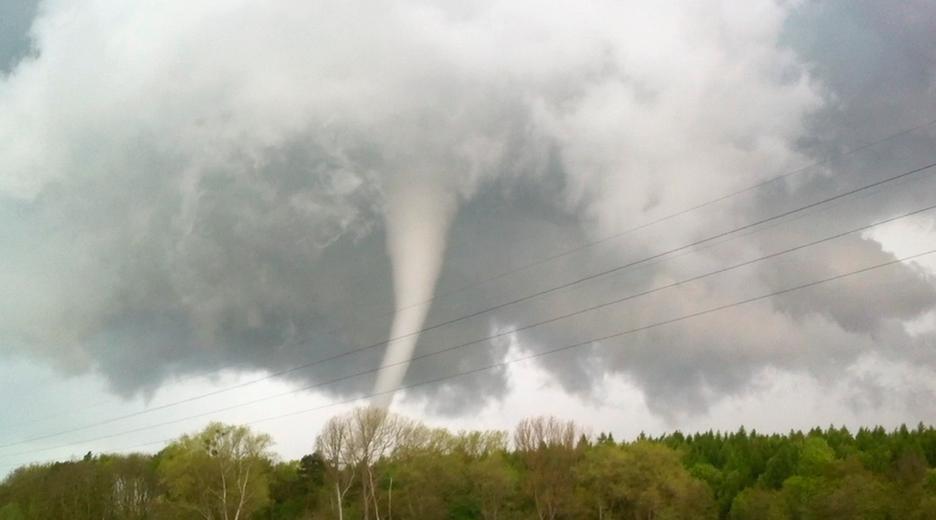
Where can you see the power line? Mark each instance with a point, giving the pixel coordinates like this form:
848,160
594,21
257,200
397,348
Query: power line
528,297
503,333
528,357
541,261
670,216
514,330
592,341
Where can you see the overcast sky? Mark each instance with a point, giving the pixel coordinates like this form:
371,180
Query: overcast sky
194,195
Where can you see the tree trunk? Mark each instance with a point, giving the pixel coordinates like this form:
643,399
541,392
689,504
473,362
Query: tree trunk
338,496
390,500
243,494
373,488
224,506
364,495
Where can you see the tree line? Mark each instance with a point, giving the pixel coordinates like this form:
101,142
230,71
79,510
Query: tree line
369,464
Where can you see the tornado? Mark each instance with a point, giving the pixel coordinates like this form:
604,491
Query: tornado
419,210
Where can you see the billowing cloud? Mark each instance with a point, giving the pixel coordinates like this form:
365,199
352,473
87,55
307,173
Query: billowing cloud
188,186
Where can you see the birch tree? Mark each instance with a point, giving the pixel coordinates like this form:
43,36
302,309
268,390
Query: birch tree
548,448
353,444
219,474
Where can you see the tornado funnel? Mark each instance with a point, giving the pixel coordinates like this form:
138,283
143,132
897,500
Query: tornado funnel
418,214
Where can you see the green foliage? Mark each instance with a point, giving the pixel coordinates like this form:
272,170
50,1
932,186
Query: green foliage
221,472
815,457
12,512
109,486
757,503
372,463
781,466
642,480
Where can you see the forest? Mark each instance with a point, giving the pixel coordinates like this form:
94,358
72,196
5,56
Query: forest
370,464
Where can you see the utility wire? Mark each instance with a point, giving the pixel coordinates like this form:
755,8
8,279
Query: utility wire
503,333
522,299
615,335
541,261
670,216
507,362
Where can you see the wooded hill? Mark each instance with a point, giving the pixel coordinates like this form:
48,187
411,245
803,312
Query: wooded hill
371,465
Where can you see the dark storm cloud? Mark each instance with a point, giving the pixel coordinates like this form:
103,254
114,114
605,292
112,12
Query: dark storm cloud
214,193
15,20
877,59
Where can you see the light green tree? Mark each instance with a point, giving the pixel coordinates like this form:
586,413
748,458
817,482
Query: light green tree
547,447
493,484
218,474
759,504
642,480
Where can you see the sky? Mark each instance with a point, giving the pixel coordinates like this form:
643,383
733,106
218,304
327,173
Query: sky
224,210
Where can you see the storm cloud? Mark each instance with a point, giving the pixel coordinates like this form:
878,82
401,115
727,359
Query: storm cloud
186,187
